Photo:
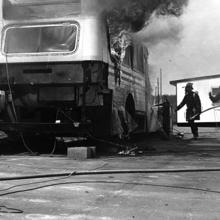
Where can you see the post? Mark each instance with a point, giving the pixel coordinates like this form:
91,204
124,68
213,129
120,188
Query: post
161,85
158,91
86,79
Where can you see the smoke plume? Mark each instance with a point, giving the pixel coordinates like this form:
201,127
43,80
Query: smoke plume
134,15
198,52
161,29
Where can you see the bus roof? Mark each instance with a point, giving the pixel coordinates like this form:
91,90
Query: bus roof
49,9
40,2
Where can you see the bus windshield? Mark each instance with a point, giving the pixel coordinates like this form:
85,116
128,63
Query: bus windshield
37,9
40,39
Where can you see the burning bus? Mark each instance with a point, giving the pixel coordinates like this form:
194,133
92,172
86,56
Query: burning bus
59,73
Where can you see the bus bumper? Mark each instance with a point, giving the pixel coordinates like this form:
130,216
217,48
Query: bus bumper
71,129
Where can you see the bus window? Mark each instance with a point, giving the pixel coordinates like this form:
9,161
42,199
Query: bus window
127,61
138,58
40,39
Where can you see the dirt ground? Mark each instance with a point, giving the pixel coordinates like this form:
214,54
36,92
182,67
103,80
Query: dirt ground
155,196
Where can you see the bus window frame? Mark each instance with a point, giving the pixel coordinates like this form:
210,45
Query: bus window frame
20,25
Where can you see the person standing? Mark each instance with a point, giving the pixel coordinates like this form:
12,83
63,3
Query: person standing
193,104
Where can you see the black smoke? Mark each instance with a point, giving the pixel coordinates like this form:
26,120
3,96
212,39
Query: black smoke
134,15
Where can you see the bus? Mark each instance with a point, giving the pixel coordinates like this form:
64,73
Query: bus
60,74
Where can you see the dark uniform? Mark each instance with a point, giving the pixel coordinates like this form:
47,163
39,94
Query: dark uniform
193,103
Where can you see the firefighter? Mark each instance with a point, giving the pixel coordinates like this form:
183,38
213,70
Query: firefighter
193,104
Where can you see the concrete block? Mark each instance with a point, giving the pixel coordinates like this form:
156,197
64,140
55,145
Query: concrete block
81,153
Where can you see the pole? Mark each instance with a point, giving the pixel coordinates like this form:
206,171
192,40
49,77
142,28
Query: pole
161,84
158,91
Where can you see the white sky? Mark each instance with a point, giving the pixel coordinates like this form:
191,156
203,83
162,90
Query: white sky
197,52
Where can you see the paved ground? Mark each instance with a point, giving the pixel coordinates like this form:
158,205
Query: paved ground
128,196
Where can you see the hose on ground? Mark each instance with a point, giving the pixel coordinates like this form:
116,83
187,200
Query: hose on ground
108,172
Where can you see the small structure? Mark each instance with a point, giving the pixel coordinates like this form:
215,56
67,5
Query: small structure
208,88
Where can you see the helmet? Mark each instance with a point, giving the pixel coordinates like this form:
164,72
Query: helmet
189,86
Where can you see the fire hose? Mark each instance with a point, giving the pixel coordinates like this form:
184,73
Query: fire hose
208,109
107,172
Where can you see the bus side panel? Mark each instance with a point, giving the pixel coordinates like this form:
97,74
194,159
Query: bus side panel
128,84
